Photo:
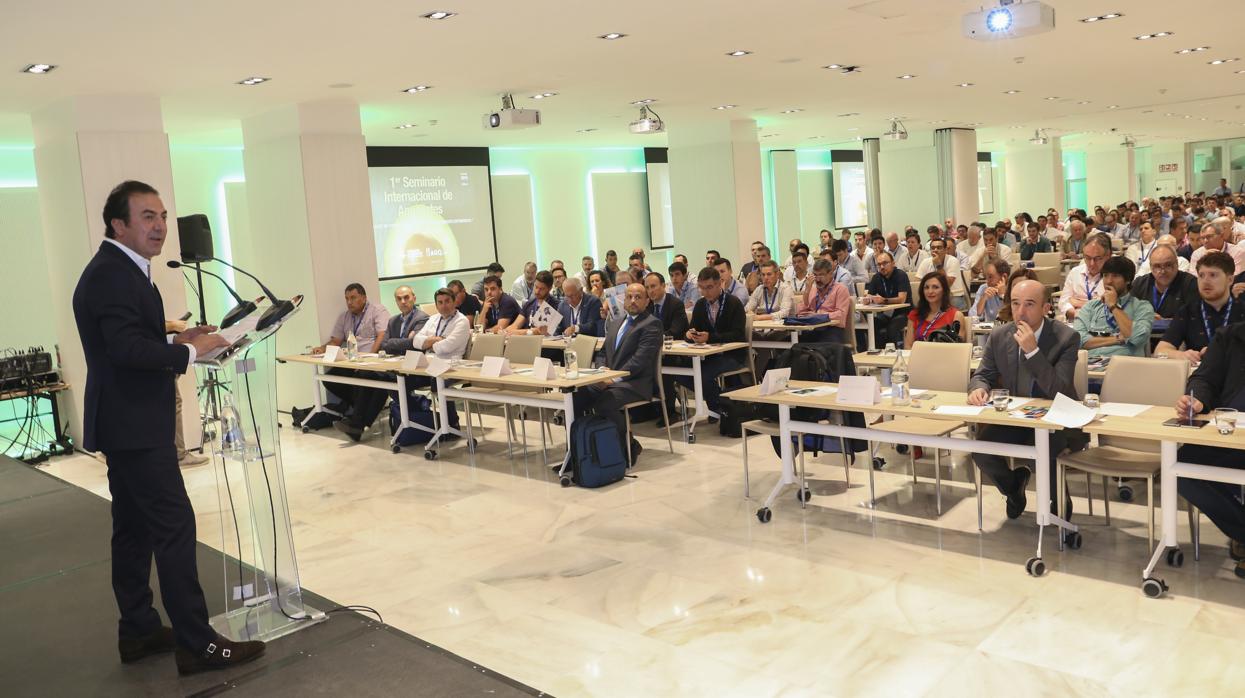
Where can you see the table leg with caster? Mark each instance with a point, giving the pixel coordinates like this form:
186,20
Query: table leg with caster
786,452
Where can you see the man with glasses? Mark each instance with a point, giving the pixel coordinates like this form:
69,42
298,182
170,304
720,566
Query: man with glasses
1166,287
1215,237
1084,281
889,286
1210,308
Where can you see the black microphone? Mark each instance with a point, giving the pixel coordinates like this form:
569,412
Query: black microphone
279,308
241,310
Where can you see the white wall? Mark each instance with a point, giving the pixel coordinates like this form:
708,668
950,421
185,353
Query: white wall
1149,160
909,182
1034,179
26,315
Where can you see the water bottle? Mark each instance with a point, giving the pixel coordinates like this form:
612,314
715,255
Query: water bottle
232,438
352,347
901,396
570,359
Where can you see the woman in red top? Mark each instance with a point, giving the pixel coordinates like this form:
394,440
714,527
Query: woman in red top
934,311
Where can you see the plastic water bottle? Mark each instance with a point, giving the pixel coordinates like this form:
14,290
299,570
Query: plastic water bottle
900,394
232,438
570,358
352,347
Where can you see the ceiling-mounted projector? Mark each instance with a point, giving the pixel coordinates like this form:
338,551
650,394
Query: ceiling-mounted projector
649,122
1129,142
897,132
1039,138
1008,20
509,117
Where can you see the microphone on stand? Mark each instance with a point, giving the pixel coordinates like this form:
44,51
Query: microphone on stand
279,308
241,310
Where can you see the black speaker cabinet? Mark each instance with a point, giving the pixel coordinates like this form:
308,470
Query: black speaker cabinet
195,234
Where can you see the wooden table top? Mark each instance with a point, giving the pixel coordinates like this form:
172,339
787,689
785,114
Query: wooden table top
467,371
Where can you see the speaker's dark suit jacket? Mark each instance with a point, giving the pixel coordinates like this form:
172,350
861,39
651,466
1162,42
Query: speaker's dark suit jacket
131,367
636,353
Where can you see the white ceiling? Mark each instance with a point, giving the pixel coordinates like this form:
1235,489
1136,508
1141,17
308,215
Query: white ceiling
192,54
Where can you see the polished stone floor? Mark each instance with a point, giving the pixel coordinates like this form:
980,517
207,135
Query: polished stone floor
667,585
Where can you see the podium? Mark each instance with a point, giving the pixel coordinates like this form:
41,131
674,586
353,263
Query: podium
263,595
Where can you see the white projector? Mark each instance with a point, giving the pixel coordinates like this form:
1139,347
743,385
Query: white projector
512,118
647,123
1010,19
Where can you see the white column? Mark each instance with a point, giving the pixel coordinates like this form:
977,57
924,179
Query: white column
869,149
715,189
786,201
957,174
311,220
84,147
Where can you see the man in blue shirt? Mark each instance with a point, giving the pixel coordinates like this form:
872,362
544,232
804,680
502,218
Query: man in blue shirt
1116,323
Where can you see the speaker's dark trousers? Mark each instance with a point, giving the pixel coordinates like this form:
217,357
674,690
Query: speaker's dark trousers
151,514
1006,479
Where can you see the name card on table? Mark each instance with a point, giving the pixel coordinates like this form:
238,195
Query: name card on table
858,390
542,369
437,366
495,367
775,380
413,360
330,353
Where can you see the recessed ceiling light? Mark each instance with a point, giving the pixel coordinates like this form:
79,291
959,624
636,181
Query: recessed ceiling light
1051,99
405,126
439,14
832,66
1169,114
725,107
611,36
906,76
1240,72
1221,61
1099,18
1195,49
850,113
253,81
417,88
965,84
1012,92
1084,101
1156,35
641,102
585,130
791,111
1114,106
545,95
38,68
738,52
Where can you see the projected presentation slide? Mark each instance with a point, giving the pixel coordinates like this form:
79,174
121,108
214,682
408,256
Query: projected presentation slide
431,219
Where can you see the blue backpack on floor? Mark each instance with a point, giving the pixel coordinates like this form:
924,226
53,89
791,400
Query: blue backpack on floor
420,412
597,456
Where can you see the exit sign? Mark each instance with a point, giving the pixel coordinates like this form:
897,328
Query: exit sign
1169,167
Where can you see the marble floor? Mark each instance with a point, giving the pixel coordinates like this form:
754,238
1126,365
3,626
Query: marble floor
667,585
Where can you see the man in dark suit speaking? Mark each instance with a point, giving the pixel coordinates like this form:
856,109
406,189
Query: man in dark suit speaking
631,344
1030,357
131,378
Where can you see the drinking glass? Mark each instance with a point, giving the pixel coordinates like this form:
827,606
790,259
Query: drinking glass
1225,420
1092,401
1000,397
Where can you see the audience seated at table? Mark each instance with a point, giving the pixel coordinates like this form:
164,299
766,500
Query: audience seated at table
1215,237
1030,356
403,326
1033,242
717,318
934,313
941,260
800,273
729,285
531,312
499,309
826,296
466,303
890,286
581,312
912,254
1072,243
991,249
524,284
1116,323
1182,264
665,307
1166,287
1139,252
851,264
772,299
1193,326
1084,281
990,295
681,287
494,269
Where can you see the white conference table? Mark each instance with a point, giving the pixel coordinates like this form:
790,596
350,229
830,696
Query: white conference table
1038,452
697,353
791,332
870,309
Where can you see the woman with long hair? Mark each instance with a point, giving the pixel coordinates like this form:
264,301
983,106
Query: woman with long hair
934,311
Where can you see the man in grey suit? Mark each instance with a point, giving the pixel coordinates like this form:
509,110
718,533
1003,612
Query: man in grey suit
631,344
1030,357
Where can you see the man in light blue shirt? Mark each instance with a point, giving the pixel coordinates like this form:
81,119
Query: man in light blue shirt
1223,189
1116,323
681,287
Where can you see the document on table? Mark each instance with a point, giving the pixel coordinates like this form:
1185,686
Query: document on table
959,410
1121,409
819,391
1068,413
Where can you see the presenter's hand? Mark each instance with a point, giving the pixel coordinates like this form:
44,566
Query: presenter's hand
186,336
978,397
203,343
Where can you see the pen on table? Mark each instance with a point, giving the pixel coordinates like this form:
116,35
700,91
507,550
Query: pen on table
1190,396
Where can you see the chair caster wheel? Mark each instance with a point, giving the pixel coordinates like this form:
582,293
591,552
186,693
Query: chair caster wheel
879,463
565,481
764,514
803,495
1126,493
395,448
1175,557
558,420
691,438
1072,539
1154,588
306,430
902,448
471,445
1035,567
430,455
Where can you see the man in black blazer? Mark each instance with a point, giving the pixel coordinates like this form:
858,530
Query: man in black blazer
665,307
717,318
129,406
1032,356
631,344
